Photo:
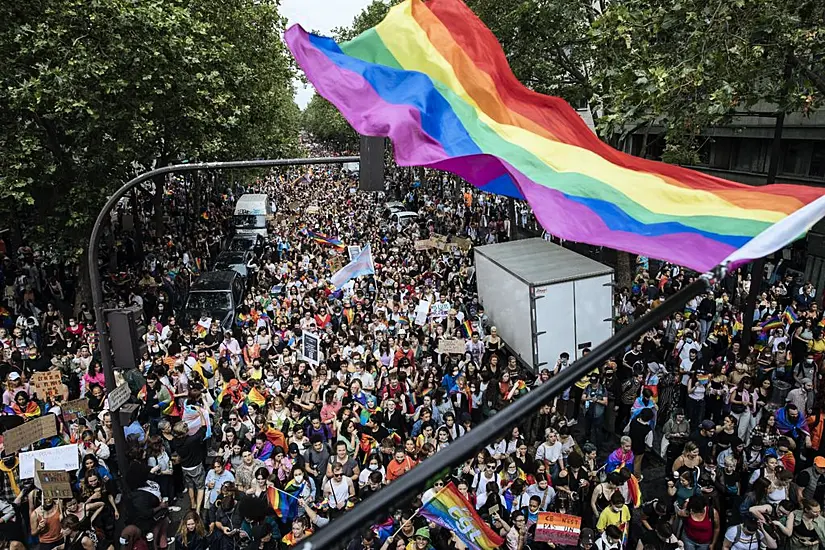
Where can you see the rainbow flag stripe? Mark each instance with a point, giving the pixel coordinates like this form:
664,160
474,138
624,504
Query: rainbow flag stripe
320,238
435,80
789,316
450,510
254,396
771,323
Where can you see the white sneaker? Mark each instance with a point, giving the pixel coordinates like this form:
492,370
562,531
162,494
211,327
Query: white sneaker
174,508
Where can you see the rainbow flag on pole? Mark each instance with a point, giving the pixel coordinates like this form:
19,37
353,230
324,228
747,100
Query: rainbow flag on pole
789,316
285,503
771,323
450,510
320,238
434,79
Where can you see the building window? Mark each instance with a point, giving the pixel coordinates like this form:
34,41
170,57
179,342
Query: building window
796,155
817,169
720,153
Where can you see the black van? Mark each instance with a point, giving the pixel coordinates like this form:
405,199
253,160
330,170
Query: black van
215,294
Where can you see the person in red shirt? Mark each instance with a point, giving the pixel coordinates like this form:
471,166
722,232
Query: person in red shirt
399,466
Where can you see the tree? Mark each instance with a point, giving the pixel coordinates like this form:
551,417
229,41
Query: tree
323,121
93,92
690,64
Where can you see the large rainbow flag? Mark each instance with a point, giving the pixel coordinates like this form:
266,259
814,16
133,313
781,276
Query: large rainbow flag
435,80
452,511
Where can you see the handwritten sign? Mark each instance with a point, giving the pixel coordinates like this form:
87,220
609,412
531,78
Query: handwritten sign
353,250
421,312
463,244
53,483
424,244
313,209
119,396
335,264
77,408
64,458
30,432
451,345
47,384
562,529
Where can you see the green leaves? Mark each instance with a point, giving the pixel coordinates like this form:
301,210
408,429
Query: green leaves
92,92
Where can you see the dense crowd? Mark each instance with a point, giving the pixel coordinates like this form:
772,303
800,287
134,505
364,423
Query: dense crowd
262,447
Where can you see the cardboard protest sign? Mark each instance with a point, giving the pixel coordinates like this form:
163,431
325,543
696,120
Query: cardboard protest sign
64,458
53,483
560,529
119,396
313,209
77,408
335,264
47,384
463,244
424,244
30,432
451,345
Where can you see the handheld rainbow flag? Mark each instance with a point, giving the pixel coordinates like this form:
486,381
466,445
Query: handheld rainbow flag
789,316
466,328
285,503
771,323
320,238
450,510
435,80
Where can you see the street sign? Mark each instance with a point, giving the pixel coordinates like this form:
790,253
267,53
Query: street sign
119,396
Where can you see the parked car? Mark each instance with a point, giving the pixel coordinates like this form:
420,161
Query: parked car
392,207
235,261
215,295
404,217
244,242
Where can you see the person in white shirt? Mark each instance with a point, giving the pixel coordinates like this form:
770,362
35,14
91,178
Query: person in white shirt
551,451
749,535
231,345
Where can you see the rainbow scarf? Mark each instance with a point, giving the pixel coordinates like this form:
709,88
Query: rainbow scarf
435,80
449,509
256,397
32,410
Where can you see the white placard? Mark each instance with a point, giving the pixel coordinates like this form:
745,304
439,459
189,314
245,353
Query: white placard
421,312
353,250
440,310
64,458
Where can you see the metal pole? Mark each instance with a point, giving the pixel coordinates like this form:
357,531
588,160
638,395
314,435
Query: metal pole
94,256
397,493
758,266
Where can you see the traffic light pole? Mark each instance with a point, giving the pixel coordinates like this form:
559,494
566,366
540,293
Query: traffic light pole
106,359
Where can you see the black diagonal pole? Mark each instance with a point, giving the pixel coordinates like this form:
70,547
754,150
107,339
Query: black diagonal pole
375,508
94,255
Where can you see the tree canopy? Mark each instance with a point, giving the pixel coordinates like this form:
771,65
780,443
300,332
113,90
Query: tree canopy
92,92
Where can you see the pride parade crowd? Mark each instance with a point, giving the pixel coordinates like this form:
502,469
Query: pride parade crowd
261,447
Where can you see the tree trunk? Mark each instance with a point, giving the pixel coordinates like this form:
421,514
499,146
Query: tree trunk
157,206
624,272
83,291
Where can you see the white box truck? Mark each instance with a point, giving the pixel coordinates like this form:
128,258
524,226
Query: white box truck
544,299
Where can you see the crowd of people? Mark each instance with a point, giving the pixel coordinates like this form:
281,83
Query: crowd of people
261,446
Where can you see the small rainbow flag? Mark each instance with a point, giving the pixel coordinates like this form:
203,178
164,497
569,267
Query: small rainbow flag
771,323
450,510
466,328
254,396
703,378
320,238
790,315
285,503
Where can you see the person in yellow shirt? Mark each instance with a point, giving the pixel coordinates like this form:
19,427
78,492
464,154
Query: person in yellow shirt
617,514
205,365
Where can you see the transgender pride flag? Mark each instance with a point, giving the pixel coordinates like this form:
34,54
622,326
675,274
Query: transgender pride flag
361,265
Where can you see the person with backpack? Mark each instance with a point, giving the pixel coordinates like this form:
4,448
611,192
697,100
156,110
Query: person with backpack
749,535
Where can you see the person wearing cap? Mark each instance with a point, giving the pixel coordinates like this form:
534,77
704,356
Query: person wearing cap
810,482
421,540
